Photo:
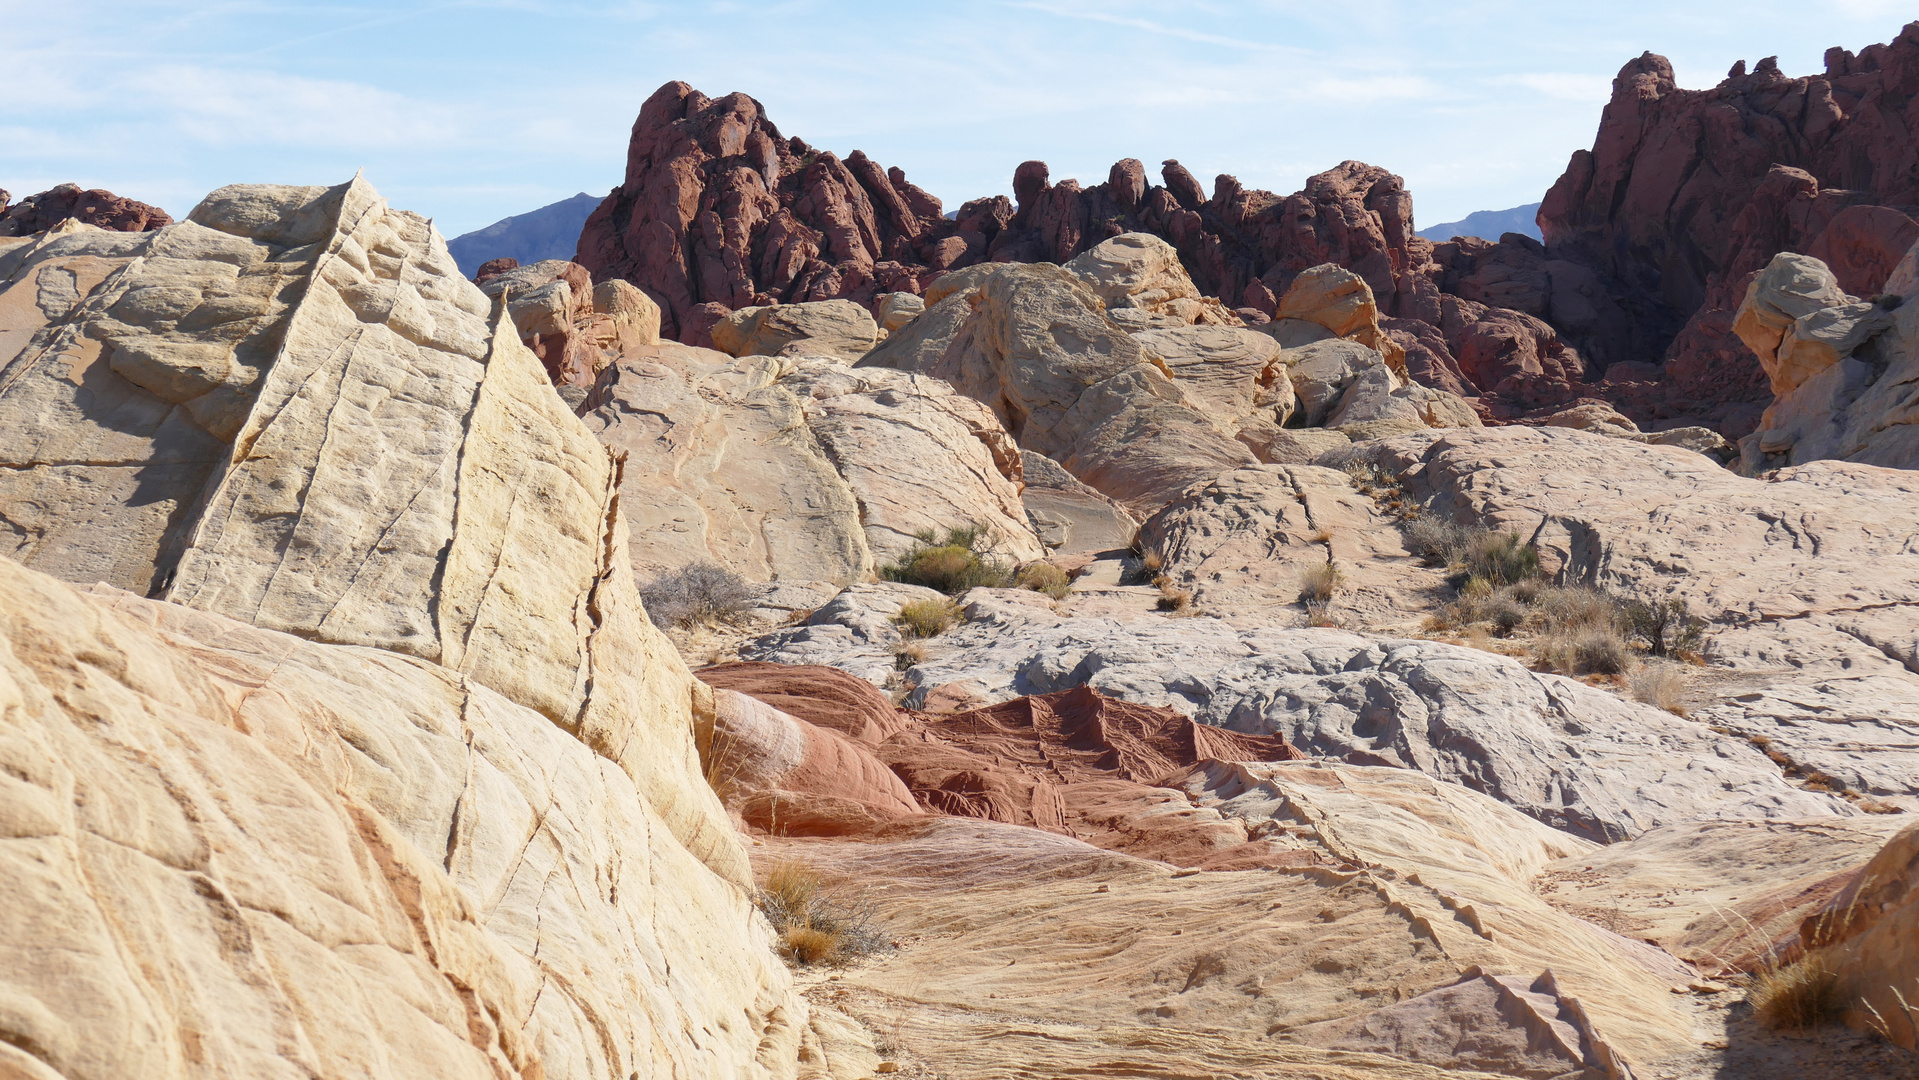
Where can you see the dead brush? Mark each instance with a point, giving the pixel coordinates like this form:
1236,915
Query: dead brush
909,655
1660,685
818,923
1318,583
1172,598
1044,577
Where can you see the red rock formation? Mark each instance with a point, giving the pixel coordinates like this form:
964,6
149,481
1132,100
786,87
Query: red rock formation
718,211
1686,193
823,696
38,213
719,208
493,268
1075,762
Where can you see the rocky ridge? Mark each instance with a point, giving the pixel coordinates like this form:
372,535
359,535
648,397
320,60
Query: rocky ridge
390,759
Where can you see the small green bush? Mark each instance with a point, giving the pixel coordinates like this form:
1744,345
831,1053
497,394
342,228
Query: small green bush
952,565
927,618
1044,578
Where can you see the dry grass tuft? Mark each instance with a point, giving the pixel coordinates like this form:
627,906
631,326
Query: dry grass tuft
817,924
1799,995
908,654
1595,650
1172,598
1661,685
1042,577
1318,583
927,618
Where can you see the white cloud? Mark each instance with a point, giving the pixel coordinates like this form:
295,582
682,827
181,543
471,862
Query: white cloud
227,107
1564,85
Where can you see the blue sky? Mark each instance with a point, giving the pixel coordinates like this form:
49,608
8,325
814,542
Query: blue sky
471,111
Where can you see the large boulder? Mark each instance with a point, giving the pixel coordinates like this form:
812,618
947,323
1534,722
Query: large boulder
1844,372
1141,280
1323,371
394,684
917,458
68,202
1868,936
836,328
800,470
1341,302
720,468
1070,516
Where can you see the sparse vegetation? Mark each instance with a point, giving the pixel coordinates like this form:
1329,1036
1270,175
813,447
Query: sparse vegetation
1318,583
816,923
1045,578
1437,541
1662,685
1668,628
953,564
696,593
908,654
1145,568
1795,996
1500,558
927,618
1595,650
1171,597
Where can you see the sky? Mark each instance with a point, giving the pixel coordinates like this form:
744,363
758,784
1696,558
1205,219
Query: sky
471,111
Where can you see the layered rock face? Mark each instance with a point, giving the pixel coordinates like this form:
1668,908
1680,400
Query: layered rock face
392,684
68,202
1686,194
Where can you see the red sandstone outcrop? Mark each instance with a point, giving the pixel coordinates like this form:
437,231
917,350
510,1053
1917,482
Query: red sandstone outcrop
720,212
798,750
38,213
1687,194
719,208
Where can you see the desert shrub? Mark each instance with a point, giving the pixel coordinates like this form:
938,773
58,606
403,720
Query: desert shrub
1171,597
817,924
1044,578
1574,608
952,564
1320,613
1795,996
1501,558
1143,569
927,618
1595,650
1659,684
1317,583
908,654
1436,541
698,592
1668,627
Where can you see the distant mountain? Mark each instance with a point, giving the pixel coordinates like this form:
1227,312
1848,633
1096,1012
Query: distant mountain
1489,224
551,232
